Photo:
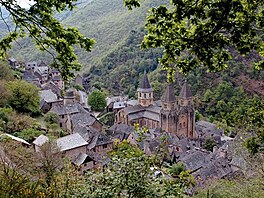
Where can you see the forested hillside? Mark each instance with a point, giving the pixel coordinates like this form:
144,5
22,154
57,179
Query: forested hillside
108,22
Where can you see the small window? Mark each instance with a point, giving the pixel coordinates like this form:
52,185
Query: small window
104,146
183,124
62,116
60,124
139,94
180,125
145,95
189,102
182,102
165,106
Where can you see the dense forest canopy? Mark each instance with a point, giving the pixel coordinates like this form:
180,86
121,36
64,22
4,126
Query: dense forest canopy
194,33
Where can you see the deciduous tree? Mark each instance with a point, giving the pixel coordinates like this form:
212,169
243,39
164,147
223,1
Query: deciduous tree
24,96
196,33
96,100
38,22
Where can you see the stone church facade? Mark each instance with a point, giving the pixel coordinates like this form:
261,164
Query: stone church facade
173,114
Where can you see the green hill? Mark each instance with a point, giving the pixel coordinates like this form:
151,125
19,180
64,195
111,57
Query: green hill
108,22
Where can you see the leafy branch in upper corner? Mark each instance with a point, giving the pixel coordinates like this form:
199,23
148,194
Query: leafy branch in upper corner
196,33
48,33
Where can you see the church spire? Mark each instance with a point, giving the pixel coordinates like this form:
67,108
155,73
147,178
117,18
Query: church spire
185,90
169,96
185,97
168,99
145,82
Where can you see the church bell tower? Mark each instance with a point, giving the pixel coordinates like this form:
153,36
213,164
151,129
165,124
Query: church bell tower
168,114
186,112
145,92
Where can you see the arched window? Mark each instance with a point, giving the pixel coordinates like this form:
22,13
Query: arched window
145,95
180,125
183,124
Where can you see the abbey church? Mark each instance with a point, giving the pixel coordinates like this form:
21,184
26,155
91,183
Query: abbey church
171,114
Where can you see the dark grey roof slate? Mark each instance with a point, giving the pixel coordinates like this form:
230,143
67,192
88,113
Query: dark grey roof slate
185,90
40,140
195,160
67,109
48,95
86,132
145,82
70,142
120,131
216,169
169,96
84,118
81,159
102,139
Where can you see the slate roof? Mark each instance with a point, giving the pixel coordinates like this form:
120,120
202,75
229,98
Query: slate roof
52,86
81,159
185,91
204,128
144,114
118,105
67,109
102,139
135,112
48,96
133,109
218,168
145,82
120,131
206,124
84,118
40,140
70,142
83,131
195,159
132,102
169,96
102,158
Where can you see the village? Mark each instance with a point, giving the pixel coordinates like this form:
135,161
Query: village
169,122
